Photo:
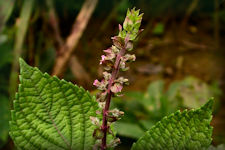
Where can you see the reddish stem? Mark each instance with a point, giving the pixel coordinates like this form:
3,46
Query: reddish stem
115,71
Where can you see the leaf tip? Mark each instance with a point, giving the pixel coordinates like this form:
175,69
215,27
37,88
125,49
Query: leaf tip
21,61
24,67
209,104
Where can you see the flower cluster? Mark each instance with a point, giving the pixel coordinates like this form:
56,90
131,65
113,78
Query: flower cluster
114,60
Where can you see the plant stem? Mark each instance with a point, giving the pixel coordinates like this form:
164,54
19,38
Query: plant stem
18,46
115,71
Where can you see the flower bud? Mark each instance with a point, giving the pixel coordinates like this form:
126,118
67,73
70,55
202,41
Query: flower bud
114,143
116,113
129,58
101,104
131,24
106,75
120,28
121,80
114,49
98,112
101,85
129,46
103,59
95,121
108,66
118,42
108,51
96,83
110,57
117,87
101,96
123,65
98,134
110,131
112,119
127,39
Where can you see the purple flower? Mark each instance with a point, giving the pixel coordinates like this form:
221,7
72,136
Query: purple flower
96,82
120,28
117,87
103,59
108,51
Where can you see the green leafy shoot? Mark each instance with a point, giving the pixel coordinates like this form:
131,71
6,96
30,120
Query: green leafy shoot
131,24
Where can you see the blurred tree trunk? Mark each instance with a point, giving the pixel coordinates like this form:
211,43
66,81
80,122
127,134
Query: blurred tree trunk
78,71
72,40
55,25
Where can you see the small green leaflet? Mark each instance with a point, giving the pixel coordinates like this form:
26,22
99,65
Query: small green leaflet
51,114
180,130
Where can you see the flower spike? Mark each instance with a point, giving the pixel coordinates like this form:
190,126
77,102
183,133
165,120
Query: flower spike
114,60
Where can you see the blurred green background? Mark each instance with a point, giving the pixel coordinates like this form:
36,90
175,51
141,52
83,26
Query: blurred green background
180,55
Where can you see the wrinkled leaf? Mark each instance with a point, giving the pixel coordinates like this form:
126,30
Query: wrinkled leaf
50,113
180,130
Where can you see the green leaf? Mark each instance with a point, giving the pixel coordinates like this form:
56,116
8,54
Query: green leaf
128,130
50,113
153,96
191,92
180,130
